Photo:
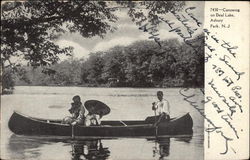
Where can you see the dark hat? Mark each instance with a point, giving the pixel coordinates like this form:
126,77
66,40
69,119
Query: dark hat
76,98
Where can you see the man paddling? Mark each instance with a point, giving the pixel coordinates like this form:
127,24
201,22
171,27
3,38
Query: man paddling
161,107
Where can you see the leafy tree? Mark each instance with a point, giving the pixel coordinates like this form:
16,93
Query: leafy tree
145,64
150,11
36,76
94,67
114,66
138,59
141,64
29,28
21,76
67,72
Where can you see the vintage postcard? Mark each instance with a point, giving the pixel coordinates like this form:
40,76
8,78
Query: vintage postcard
124,80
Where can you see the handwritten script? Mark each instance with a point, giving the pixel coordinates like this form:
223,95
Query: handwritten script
223,86
223,96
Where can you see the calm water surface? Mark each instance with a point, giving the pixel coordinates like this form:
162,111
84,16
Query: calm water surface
125,104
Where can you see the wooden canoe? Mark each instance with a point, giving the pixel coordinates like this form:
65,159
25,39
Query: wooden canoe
24,125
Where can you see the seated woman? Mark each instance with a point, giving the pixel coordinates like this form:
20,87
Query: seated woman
92,119
77,110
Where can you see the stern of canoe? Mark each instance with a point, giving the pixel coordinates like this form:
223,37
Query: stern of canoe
179,126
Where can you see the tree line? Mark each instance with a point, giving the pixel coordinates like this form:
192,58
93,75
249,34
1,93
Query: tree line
29,29
141,64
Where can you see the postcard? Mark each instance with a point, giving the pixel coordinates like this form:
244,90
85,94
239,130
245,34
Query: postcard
124,80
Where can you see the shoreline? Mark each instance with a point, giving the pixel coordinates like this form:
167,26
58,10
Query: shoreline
89,86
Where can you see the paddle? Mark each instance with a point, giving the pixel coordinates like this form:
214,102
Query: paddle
72,132
156,126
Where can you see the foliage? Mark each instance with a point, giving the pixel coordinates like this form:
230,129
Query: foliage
67,72
7,80
94,66
149,11
29,28
141,64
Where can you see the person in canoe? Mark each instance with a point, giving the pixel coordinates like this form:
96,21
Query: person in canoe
93,119
77,111
96,110
161,107
78,118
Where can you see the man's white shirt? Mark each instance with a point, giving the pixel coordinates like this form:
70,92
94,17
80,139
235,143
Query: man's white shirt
163,106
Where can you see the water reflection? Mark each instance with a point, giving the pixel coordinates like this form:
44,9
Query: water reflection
24,147
162,146
91,149
20,147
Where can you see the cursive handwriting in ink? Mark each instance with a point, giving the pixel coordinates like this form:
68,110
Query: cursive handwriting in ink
223,98
184,21
152,31
215,105
226,59
191,15
229,48
217,130
226,141
215,39
210,48
228,80
170,24
218,70
232,98
226,118
235,90
208,99
218,109
207,32
207,57
214,128
178,30
208,137
196,106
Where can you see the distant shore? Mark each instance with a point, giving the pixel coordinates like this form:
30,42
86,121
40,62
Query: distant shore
106,86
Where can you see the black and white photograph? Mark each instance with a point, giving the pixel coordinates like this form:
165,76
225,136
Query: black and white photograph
102,80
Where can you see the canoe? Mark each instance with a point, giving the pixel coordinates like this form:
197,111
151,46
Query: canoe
21,124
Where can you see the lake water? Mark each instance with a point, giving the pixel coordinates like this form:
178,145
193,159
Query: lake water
125,104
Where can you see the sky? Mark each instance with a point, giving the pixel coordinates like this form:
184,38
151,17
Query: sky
127,33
